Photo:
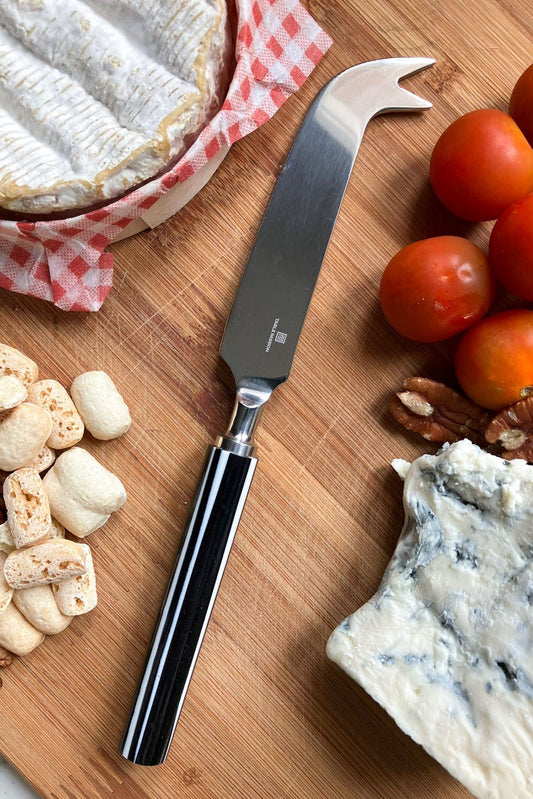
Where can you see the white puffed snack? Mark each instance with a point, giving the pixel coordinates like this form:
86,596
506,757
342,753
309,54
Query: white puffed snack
44,459
12,392
38,606
100,405
55,560
7,544
23,433
67,424
27,507
82,492
78,519
78,594
17,635
6,592
13,362
57,530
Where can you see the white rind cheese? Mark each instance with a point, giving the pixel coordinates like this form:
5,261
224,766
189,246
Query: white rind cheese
98,96
446,644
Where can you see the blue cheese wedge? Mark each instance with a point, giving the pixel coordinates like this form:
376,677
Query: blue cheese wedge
446,644
98,96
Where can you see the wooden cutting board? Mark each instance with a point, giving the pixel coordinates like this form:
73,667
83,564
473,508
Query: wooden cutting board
266,715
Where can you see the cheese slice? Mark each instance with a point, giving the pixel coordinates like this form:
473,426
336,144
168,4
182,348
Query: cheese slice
446,644
98,96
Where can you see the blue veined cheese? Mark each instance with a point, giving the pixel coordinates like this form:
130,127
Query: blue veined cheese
446,644
98,96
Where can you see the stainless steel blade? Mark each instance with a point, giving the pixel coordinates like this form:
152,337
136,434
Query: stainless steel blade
275,291
259,345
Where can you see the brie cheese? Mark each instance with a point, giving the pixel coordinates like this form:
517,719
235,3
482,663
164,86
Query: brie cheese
446,644
99,96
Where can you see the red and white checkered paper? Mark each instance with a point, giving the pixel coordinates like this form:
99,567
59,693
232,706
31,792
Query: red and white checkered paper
63,261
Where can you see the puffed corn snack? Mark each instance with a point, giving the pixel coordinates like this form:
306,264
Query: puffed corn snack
47,579
100,404
82,493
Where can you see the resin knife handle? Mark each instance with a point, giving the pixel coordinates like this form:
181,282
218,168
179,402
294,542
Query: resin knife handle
187,605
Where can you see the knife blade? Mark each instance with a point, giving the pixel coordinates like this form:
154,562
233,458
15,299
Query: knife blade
258,345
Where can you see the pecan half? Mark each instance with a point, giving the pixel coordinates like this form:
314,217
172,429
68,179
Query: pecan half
512,427
5,658
438,412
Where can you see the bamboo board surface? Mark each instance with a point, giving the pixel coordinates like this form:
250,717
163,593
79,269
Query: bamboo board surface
266,714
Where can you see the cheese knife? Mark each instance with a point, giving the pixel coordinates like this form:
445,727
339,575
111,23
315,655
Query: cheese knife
258,346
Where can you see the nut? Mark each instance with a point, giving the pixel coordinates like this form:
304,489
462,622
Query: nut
438,412
512,427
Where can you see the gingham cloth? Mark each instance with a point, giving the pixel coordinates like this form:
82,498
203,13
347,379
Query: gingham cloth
63,261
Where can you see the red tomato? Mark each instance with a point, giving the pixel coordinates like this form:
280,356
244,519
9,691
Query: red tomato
521,103
481,164
436,287
511,248
494,359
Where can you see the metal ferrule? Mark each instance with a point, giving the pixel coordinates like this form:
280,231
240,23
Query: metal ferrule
249,404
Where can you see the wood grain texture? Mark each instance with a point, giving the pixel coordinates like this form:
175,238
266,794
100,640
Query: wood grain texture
266,715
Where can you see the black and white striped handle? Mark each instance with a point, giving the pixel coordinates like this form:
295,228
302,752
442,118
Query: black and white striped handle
187,606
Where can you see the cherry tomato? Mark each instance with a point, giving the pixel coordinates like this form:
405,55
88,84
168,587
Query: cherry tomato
481,164
521,103
511,248
494,359
435,288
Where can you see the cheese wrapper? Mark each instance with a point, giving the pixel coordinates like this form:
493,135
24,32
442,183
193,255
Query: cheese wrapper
277,46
